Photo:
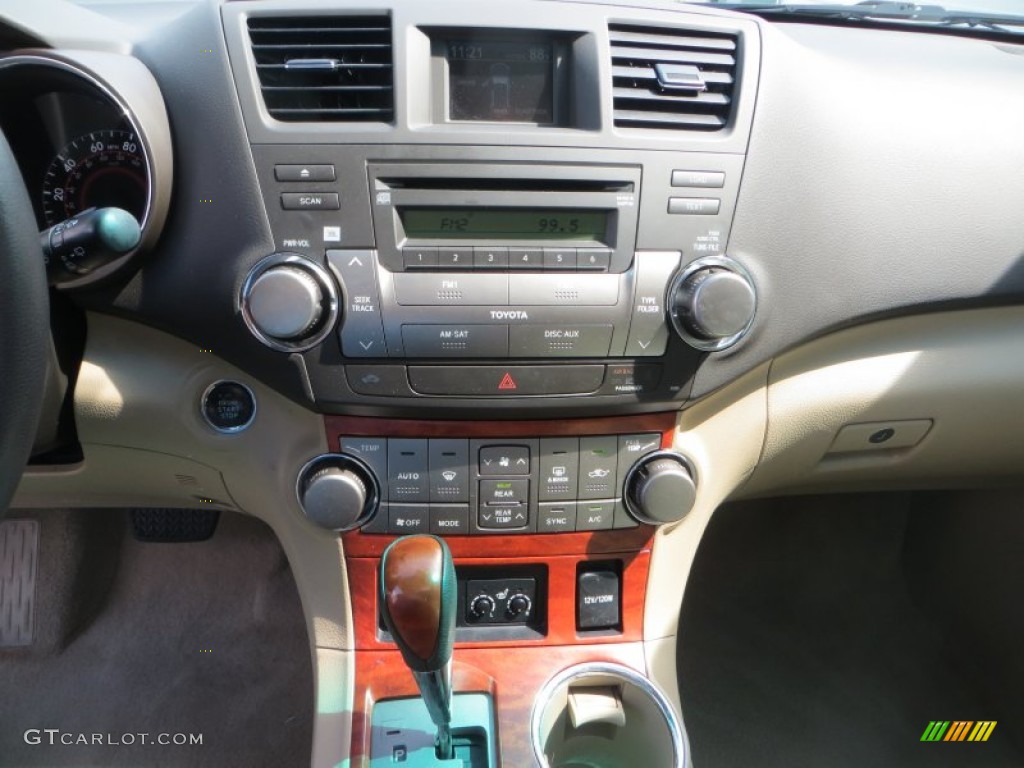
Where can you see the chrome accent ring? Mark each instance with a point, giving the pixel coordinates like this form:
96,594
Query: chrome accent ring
228,430
40,59
679,748
323,279
371,506
648,457
708,345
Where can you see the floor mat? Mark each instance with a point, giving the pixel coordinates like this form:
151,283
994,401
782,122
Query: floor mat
200,641
800,646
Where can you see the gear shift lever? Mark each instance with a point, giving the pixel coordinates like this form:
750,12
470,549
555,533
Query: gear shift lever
418,600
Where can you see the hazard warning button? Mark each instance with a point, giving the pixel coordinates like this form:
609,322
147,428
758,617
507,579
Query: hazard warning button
505,381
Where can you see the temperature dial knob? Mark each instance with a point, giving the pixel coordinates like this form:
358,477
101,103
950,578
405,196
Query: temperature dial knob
660,488
482,606
289,302
518,606
712,303
338,492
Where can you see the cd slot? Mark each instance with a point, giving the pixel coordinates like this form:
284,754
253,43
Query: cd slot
505,185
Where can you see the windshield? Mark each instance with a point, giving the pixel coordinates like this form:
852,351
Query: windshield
1006,8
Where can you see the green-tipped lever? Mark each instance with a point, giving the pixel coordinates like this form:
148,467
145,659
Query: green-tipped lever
418,600
88,240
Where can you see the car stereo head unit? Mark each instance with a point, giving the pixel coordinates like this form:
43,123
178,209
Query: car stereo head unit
482,216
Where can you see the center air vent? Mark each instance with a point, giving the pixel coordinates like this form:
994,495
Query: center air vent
325,68
670,78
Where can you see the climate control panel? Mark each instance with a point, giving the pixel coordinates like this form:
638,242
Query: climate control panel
479,486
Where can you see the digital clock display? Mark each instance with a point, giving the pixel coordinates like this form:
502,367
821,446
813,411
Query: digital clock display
504,224
500,80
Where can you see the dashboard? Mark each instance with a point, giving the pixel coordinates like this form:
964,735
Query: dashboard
530,276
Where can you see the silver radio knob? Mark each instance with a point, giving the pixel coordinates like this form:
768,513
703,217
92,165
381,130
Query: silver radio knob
712,303
289,302
285,302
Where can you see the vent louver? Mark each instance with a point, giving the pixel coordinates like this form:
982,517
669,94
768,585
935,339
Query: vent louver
671,78
325,68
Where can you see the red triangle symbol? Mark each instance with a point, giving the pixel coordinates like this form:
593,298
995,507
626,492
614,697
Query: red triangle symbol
507,382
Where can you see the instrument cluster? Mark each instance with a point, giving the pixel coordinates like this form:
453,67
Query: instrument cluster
86,154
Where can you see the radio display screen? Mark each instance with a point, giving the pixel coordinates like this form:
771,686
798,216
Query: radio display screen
500,80
504,224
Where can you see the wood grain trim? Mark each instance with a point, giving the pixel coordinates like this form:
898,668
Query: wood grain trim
513,676
364,426
561,600
358,544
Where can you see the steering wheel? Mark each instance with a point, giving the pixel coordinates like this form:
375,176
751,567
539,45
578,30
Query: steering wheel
24,325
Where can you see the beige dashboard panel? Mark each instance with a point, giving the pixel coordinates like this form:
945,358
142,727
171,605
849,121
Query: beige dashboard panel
722,436
145,443
961,371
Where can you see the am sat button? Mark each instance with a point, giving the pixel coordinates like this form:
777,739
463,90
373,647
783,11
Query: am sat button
880,436
455,340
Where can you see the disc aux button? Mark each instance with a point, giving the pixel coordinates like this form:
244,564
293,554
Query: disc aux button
560,340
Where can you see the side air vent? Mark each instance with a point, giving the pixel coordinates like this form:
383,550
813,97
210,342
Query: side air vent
671,78
325,68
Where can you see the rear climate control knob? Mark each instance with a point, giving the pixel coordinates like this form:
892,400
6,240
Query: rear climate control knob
711,303
338,492
482,606
518,606
660,488
289,302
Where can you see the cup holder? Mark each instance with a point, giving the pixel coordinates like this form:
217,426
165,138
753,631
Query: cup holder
603,715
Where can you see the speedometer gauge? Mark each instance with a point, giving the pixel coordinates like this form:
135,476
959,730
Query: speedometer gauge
97,170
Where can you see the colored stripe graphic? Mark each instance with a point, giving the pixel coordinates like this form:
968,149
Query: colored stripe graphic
983,730
935,730
958,730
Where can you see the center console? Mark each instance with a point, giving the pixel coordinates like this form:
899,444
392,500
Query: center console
499,262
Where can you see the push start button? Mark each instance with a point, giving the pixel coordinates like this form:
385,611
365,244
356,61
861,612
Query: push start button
228,406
